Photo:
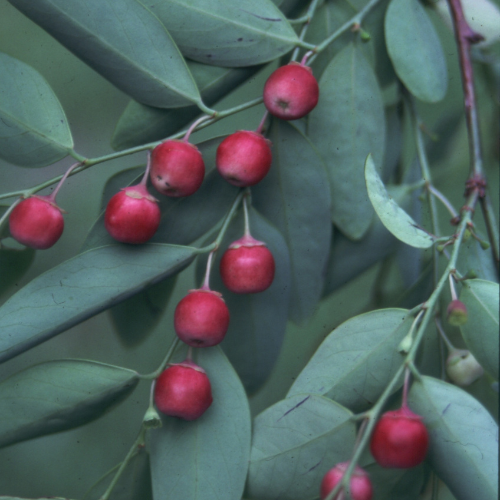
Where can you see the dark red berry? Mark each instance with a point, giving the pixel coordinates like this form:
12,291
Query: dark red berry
400,439
201,318
291,92
244,158
36,222
183,390
132,215
247,266
360,484
177,168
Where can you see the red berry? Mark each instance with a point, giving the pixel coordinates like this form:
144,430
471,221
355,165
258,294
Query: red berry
291,92
177,168
183,390
132,215
400,439
360,484
244,158
36,222
201,318
247,266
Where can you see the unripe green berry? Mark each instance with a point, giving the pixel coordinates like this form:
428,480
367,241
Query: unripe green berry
462,367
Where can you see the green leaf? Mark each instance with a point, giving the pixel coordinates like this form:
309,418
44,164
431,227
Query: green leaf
357,360
136,318
225,33
481,330
14,263
258,321
295,442
134,483
473,258
394,218
140,124
395,484
348,124
59,395
463,447
415,50
81,287
124,42
183,220
46,498
297,201
34,131
208,457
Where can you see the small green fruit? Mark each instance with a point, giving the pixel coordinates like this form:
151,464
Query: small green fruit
462,367
457,313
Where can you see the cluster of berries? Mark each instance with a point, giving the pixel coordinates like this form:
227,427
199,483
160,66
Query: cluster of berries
244,158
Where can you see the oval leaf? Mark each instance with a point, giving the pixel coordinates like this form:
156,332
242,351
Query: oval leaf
226,33
463,447
297,201
295,442
59,395
481,330
34,131
473,257
80,288
413,44
124,42
258,321
348,125
140,124
357,360
394,218
208,457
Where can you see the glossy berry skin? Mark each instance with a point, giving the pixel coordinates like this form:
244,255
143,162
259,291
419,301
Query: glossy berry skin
244,158
360,484
400,439
291,92
201,318
132,215
177,168
247,266
183,390
36,222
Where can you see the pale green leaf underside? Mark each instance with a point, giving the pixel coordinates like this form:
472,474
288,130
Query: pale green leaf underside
224,32
207,458
357,360
34,131
294,444
124,42
463,438
394,218
80,288
59,395
481,330
415,50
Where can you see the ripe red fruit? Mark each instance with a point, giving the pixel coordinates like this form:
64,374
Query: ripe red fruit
132,215
36,222
177,168
291,92
360,484
400,439
201,318
247,266
244,158
183,390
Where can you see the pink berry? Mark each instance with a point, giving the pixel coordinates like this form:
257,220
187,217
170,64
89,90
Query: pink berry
36,222
360,484
291,92
201,318
177,168
247,266
244,158
400,439
183,390
456,313
132,215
